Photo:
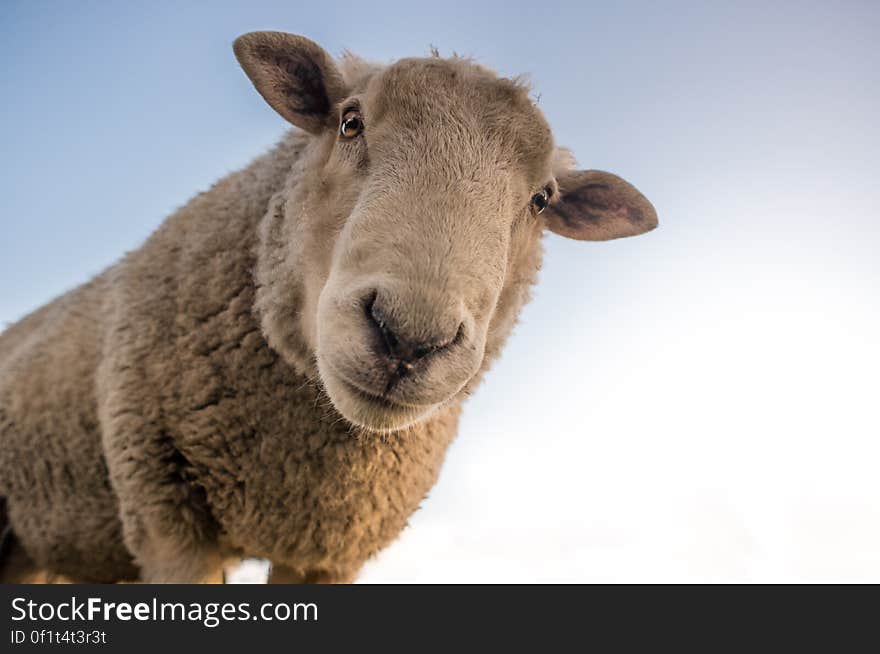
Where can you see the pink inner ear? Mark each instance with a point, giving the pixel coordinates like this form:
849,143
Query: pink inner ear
298,80
294,75
598,206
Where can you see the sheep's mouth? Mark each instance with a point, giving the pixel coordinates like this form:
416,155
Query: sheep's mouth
369,397
370,410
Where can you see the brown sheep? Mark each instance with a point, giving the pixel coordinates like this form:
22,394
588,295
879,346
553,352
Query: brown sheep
278,371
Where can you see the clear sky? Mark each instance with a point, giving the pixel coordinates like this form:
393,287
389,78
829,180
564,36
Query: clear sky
698,404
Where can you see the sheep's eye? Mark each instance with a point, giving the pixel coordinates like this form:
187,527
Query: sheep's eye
352,124
540,200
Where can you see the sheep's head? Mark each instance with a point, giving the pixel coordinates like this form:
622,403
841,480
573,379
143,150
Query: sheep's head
395,262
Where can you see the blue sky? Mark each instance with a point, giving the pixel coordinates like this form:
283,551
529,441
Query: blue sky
709,389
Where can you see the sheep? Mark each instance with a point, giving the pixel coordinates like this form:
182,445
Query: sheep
279,369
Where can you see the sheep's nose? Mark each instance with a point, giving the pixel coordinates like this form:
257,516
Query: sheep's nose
401,350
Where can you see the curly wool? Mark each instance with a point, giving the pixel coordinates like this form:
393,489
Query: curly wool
145,412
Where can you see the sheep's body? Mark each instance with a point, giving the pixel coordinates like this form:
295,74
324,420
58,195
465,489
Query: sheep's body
215,446
52,469
278,370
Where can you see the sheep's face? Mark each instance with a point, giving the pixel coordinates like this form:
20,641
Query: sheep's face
396,261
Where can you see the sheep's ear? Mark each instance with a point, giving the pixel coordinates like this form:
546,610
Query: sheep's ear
598,206
295,76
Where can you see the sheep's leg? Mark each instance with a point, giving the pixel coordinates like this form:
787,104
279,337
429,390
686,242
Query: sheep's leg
163,562
165,559
181,574
166,523
16,567
171,541
281,574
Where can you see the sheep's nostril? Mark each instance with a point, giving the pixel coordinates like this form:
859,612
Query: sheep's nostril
402,353
388,340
